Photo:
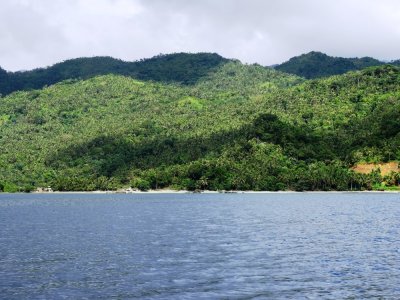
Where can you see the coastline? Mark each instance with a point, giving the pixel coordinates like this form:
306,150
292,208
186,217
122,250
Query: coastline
168,191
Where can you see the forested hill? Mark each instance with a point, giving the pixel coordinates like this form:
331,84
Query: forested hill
183,68
240,127
317,64
180,68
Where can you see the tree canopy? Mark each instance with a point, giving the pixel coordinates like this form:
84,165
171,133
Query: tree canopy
239,127
317,64
183,68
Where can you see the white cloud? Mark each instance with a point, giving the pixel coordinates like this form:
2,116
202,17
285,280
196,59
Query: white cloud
37,33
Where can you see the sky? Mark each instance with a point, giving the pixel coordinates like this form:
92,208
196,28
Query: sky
39,33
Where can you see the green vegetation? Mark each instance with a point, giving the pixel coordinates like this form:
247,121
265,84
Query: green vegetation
317,64
181,68
235,127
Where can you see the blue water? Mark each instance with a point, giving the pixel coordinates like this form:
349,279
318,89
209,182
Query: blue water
207,246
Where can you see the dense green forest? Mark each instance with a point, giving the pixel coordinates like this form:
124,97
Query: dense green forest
180,68
225,126
184,68
317,64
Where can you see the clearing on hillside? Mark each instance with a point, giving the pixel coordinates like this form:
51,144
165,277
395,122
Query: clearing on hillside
385,168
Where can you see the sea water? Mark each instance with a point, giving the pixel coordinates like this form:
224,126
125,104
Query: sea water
200,246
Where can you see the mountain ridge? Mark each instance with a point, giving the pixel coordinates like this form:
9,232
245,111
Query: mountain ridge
181,68
317,64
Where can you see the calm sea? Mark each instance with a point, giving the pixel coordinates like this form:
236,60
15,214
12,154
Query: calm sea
200,246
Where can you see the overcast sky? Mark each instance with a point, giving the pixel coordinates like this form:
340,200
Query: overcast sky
36,33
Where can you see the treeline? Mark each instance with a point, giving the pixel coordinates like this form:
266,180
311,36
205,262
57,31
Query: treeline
182,68
317,65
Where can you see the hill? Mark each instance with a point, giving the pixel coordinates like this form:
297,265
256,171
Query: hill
317,64
183,68
239,127
179,68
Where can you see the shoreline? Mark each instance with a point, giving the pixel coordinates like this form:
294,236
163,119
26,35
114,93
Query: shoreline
204,192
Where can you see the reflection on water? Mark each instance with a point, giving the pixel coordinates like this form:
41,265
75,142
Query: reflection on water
277,246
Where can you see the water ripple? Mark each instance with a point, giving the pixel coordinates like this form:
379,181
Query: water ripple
188,246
